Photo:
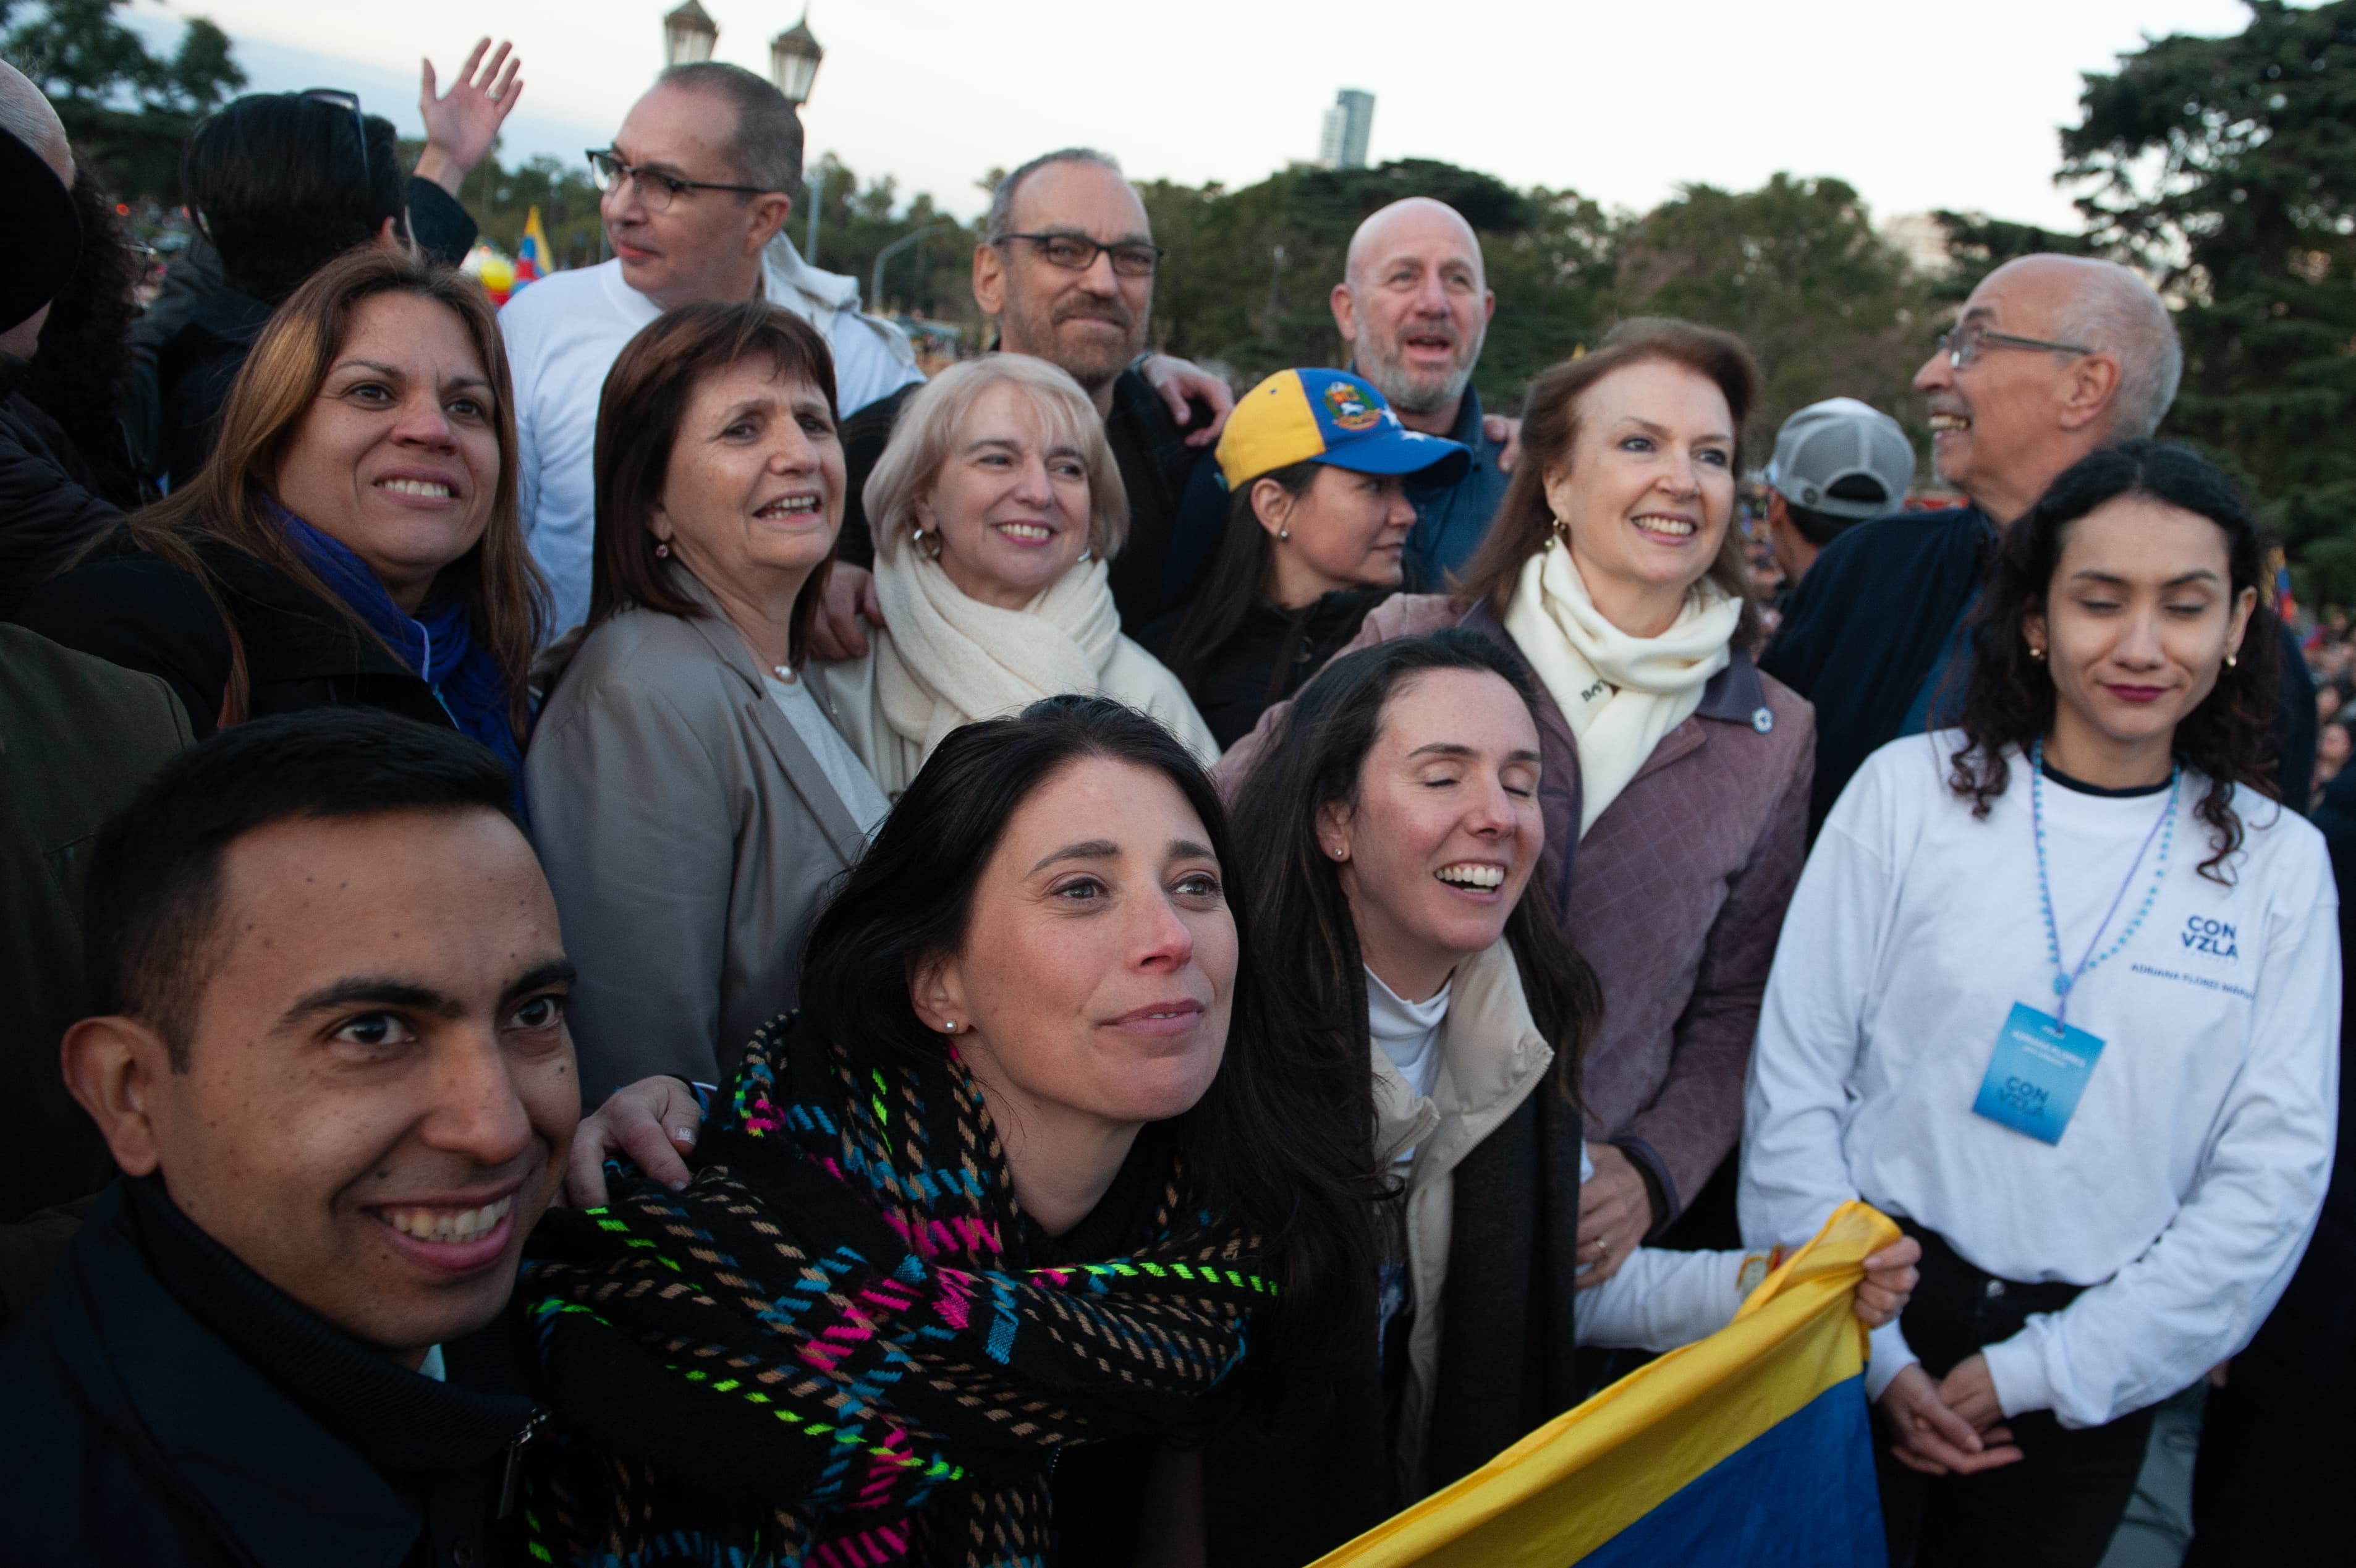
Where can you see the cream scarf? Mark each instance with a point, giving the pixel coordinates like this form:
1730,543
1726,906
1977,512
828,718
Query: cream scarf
950,659
1621,694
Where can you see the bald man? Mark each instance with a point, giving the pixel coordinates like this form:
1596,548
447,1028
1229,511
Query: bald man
2051,358
1414,304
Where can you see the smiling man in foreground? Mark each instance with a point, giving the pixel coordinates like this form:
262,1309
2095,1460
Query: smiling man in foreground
333,1068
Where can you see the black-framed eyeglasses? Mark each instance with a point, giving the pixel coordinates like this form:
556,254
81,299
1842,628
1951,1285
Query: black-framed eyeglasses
1078,253
1962,345
336,98
656,189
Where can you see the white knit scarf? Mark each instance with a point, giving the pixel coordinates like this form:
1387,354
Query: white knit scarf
950,659
1621,694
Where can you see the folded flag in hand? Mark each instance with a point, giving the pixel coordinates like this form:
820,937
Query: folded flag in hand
1753,1447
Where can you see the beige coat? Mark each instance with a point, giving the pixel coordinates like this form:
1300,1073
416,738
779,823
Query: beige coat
1491,1057
690,837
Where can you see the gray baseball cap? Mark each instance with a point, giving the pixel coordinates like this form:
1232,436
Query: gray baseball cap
1841,438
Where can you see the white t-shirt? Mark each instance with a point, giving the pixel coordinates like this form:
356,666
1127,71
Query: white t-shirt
853,783
1408,1032
564,332
2186,1183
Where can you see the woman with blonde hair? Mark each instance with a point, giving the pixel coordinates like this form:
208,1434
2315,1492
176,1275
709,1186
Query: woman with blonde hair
354,540
995,509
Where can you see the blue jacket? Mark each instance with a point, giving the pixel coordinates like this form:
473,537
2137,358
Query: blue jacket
1452,520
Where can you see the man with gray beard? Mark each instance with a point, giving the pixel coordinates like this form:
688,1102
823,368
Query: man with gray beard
1414,304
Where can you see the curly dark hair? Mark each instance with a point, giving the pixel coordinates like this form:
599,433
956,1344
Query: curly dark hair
2010,701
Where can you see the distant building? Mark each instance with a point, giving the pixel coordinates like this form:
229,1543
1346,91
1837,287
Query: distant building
1923,239
1347,125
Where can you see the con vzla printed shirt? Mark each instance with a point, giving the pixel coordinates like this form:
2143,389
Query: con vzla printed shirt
2185,1185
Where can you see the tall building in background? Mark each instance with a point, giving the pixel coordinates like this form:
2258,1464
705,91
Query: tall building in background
1347,125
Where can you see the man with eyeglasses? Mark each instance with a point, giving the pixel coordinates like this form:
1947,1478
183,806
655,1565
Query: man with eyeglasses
698,184
1066,268
2051,358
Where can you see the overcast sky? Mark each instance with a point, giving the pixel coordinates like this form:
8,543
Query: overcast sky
1917,107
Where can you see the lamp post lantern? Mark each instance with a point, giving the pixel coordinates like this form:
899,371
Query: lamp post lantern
794,55
688,34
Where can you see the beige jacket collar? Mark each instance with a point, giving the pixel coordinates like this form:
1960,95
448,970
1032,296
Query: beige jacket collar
1491,1057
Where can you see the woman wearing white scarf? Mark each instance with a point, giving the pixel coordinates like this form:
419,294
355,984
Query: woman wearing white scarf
995,509
1675,778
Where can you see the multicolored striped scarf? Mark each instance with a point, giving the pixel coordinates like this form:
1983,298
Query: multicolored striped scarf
844,1344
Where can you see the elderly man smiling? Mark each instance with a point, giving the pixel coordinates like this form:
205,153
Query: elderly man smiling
2051,358
1414,306
333,1068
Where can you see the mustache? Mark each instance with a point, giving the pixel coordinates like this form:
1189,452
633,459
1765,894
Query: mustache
1091,310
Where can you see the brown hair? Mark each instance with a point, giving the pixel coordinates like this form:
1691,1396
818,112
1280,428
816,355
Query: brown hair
229,500
638,416
1524,520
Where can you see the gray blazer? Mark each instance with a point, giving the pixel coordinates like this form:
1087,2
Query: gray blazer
690,837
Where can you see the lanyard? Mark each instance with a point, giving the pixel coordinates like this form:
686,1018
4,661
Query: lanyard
2163,829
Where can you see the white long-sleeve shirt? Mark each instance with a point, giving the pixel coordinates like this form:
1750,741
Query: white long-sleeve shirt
564,332
2186,1184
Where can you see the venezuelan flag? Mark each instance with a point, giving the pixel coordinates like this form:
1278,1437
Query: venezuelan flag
1753,1446
532,252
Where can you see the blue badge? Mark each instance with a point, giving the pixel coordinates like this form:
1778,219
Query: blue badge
2039,1069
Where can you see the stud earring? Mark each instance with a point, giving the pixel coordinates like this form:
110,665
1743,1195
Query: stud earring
2230,661
949,1026
2036,652
662,550
1282,534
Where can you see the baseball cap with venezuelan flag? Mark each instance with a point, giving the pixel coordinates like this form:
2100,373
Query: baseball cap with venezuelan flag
1328,417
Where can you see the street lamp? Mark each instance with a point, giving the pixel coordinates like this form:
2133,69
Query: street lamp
688,34
875,284
794,55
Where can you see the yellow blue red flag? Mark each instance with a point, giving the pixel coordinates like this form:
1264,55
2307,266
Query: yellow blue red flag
532,252
1753,1446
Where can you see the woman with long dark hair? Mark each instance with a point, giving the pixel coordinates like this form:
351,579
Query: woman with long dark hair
1395,832
2060,991
1027,1176
1315,466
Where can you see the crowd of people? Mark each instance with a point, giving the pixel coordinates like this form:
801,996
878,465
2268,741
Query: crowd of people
640,936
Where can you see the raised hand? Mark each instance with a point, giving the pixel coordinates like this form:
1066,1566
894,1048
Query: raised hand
461,125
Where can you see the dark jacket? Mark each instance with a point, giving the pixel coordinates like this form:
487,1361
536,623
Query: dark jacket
2302,1349
1267,659
78,737
138,610
1148,445
168,1406
50,501
1452,520
1867,623
194,371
